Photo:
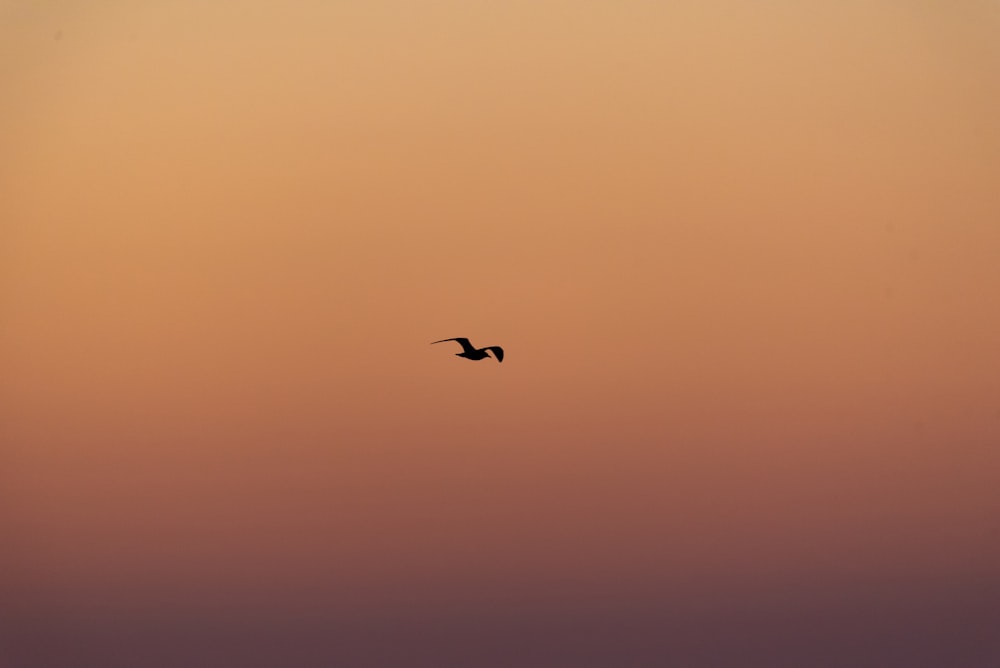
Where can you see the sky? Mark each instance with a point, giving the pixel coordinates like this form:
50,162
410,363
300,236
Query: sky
742,258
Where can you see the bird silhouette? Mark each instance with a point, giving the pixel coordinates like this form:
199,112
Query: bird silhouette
470,353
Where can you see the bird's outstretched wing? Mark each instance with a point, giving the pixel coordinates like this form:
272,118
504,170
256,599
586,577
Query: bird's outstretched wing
497,350
462,341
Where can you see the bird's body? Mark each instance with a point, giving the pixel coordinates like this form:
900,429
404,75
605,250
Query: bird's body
471,353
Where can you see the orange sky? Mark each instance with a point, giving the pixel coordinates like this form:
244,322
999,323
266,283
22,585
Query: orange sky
743,260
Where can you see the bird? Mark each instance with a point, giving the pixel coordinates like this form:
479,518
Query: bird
470,353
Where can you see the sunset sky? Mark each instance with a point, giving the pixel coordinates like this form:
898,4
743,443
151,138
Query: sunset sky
743,257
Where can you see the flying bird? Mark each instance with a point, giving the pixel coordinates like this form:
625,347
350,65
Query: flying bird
470,353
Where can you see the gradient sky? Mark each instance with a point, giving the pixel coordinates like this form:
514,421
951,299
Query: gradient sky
744,259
